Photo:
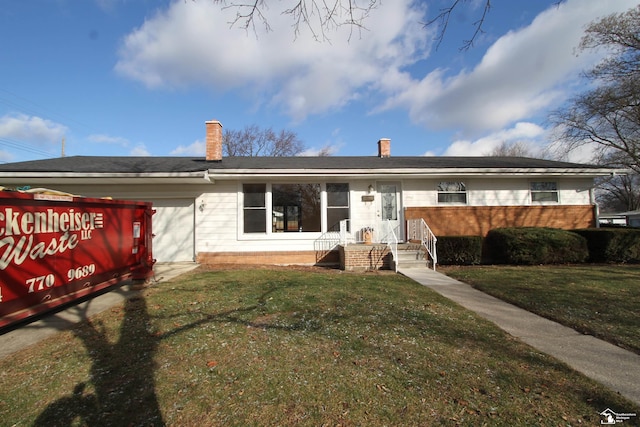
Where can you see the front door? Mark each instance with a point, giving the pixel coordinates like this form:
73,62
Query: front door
390,209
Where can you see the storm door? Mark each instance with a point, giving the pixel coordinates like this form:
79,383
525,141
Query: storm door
390,209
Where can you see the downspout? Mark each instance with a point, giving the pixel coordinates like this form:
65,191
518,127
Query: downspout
596,208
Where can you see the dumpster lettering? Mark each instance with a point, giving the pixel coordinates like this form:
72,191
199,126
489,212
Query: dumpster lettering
20,232
18,251
18,223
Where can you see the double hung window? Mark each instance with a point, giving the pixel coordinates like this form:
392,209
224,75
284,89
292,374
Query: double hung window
544,191
452,192
254,208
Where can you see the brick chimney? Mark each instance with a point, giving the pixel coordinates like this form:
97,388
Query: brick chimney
384,147
214,140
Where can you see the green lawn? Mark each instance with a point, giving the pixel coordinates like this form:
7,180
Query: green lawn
600,300
293,347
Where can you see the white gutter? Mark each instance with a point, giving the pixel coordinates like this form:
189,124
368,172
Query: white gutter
415,172
31,178
212,174
101,175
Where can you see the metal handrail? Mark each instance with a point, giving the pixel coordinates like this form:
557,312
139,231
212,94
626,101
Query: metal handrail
417,229
334,237
392,242
344,235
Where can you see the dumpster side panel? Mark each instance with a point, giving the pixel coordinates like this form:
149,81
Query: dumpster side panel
54,249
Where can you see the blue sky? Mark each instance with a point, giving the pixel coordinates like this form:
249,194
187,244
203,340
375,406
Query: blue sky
141,77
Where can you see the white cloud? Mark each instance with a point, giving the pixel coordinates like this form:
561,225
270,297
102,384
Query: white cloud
107,139
31,129
140,150
527,133
190,43
198,148
327,150
521,74
5,156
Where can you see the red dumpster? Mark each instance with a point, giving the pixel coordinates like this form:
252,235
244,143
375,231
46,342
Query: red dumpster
56,248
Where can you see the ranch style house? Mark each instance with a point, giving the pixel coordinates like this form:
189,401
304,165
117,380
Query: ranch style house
302,210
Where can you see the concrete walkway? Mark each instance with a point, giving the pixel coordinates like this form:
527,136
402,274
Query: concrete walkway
608,364
31,333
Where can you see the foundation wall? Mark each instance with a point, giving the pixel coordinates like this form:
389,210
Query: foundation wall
363,257
269,258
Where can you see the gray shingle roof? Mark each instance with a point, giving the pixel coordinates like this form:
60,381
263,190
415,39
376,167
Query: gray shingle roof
107,165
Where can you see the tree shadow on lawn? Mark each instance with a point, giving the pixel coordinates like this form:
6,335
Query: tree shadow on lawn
520,370
121,390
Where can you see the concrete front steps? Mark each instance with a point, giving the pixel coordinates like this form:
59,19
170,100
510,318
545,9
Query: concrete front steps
412,255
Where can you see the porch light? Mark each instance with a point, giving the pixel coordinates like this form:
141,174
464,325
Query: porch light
371,188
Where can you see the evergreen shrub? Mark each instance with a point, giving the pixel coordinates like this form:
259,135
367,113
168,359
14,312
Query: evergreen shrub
533,246
459,250
612,245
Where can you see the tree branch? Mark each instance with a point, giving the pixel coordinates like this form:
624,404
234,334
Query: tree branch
443,17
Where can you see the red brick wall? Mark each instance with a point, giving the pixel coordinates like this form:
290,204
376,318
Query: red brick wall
365,257
268,258
213,140
478,220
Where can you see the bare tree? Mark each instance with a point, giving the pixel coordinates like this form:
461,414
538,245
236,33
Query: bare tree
619,194
608,116
322,16
253,141
319,16
514,149
326,151
442,19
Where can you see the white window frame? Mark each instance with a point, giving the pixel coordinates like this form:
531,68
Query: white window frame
534,193
451,191
328,207
269,234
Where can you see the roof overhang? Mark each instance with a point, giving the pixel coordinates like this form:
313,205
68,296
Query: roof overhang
414,173
29,178
211,175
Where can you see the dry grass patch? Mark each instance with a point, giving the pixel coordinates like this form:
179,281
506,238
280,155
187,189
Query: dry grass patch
292,347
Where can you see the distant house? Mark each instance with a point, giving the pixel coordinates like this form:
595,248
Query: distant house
612,219
629,219
278,209
632,218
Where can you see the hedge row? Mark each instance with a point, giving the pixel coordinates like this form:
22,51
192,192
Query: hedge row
459,250
535,245
612,244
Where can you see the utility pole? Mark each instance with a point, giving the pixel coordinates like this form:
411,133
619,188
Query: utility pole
63,143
